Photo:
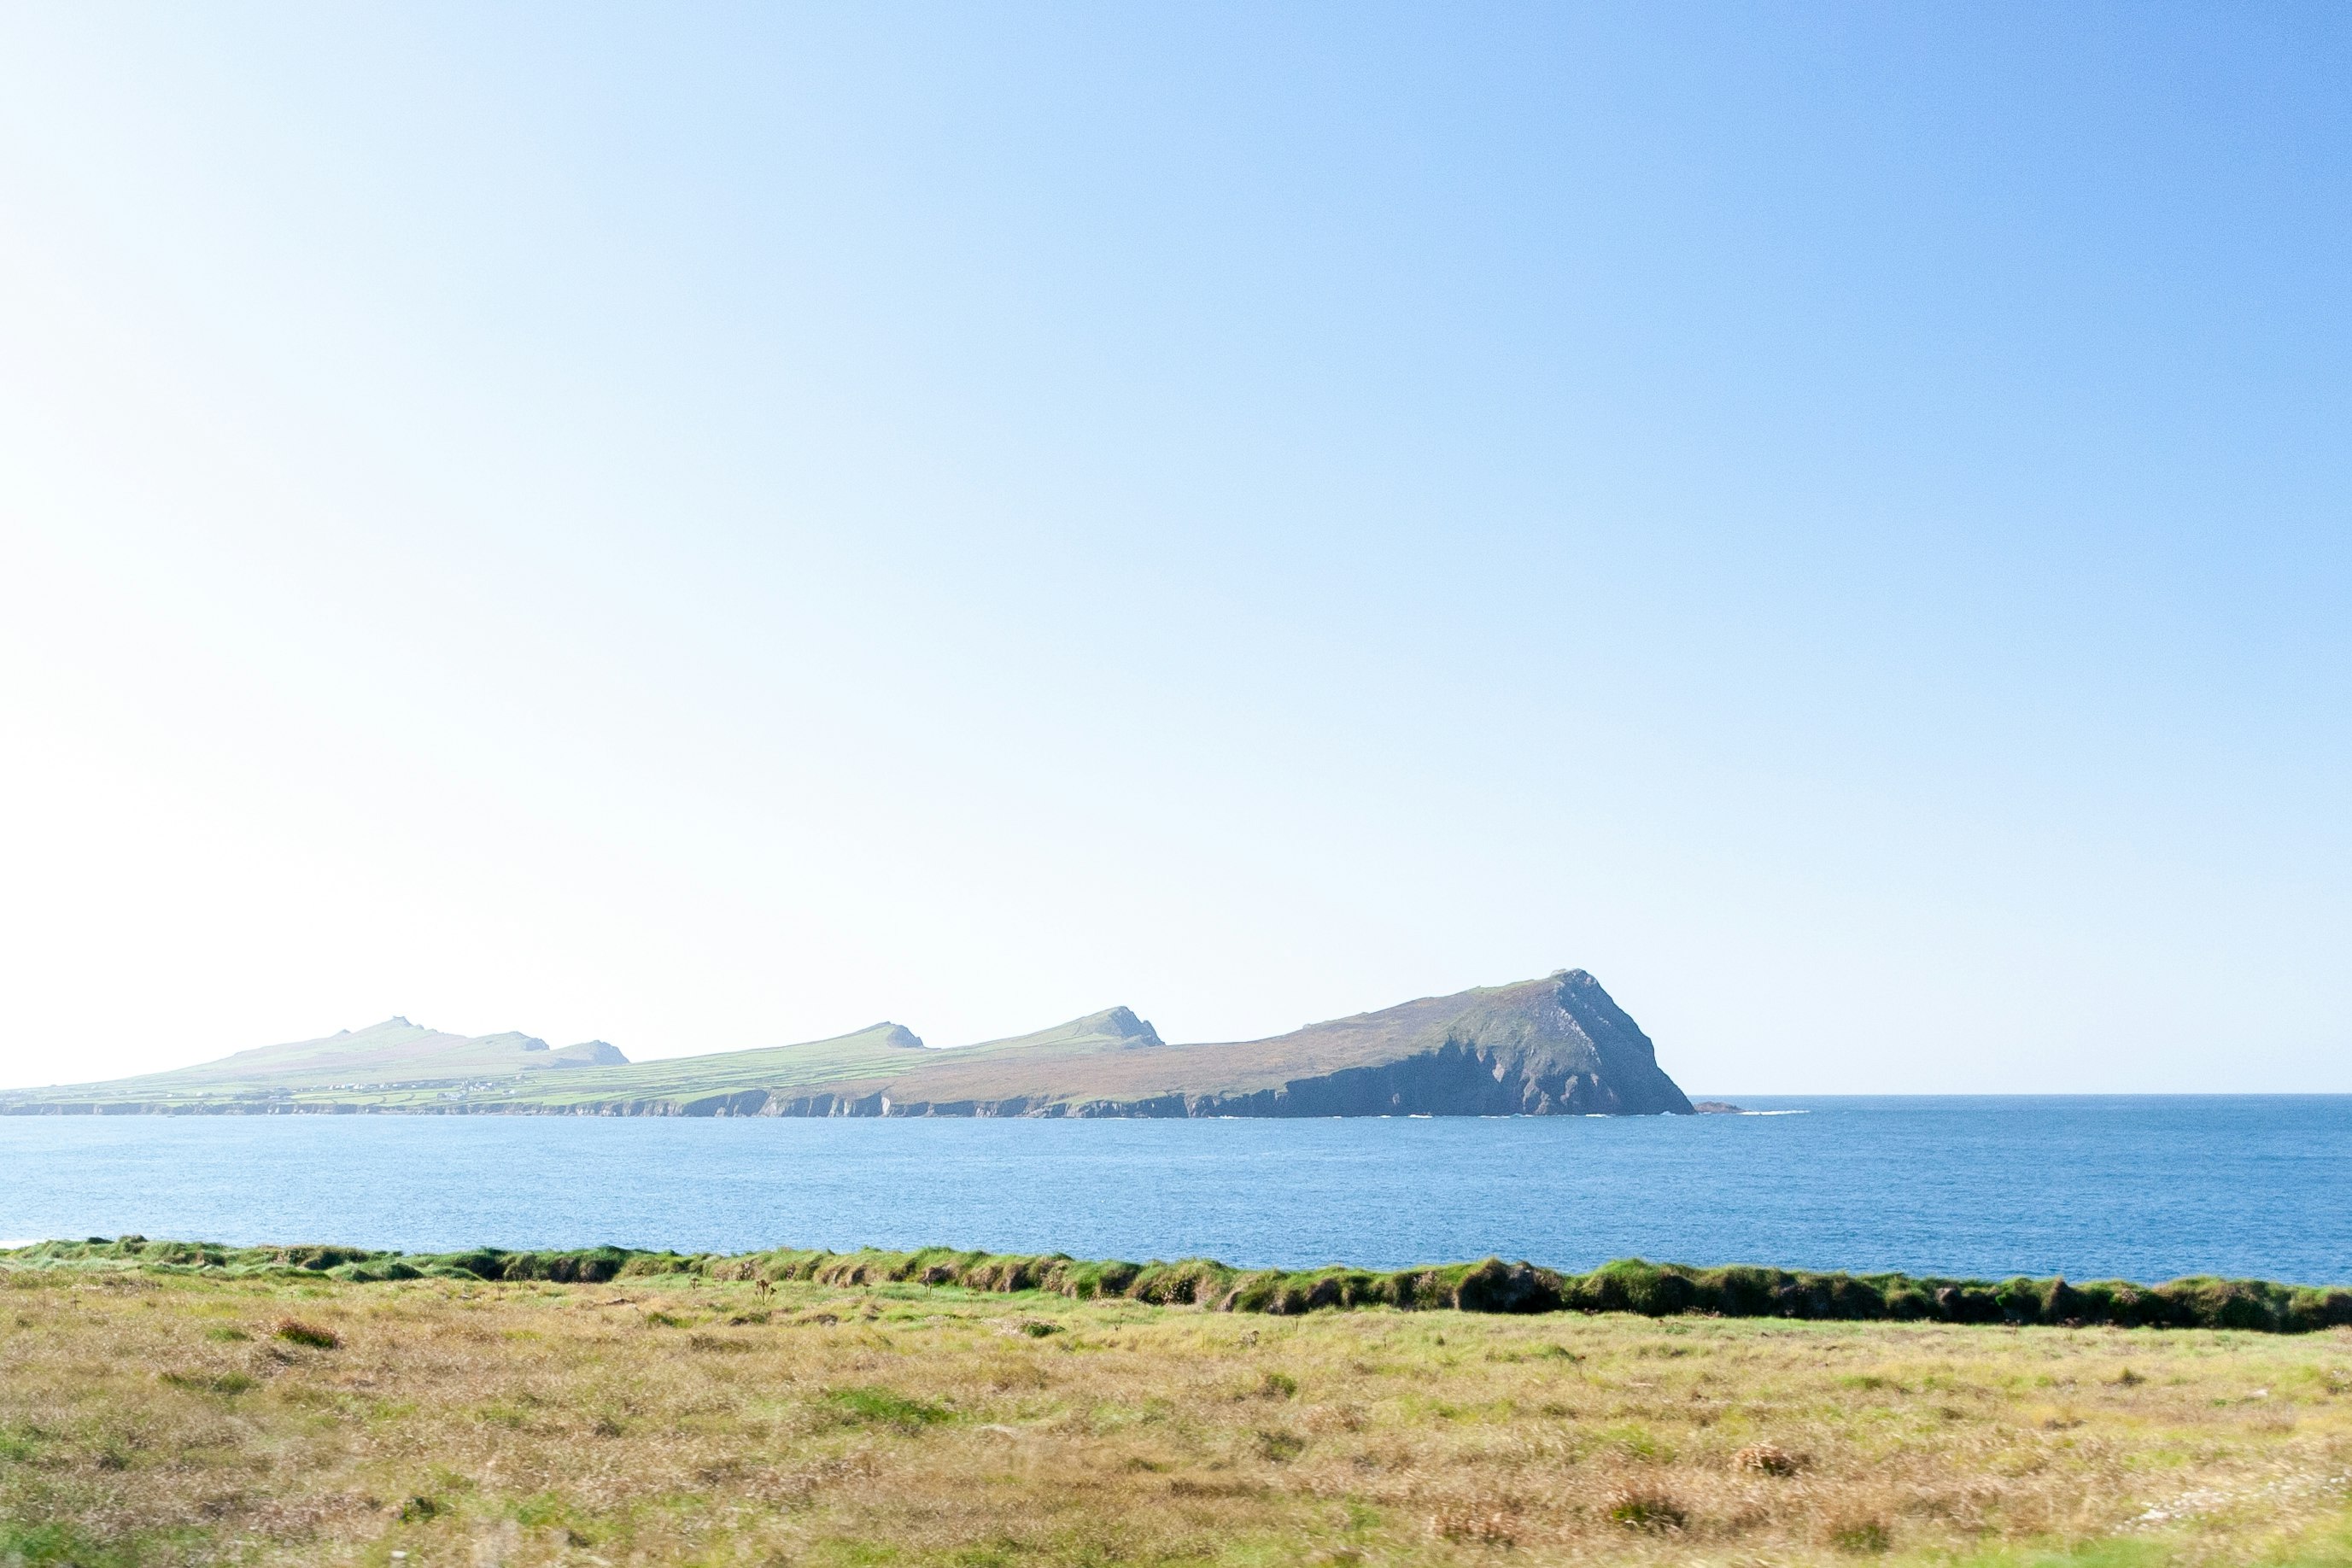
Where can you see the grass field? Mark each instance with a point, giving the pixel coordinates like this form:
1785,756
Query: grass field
148,1418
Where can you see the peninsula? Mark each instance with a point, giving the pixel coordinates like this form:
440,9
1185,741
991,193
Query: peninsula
1557,1045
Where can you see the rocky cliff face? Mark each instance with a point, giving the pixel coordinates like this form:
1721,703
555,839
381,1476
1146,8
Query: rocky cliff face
1557,1046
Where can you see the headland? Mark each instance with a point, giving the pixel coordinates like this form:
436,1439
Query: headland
1559,1045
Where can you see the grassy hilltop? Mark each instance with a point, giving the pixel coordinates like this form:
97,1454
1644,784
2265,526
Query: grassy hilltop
1554,1046
393,1064
698,1412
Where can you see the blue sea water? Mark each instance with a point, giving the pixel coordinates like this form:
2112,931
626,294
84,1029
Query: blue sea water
2137,1188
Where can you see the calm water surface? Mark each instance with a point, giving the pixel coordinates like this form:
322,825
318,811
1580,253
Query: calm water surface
2143,1188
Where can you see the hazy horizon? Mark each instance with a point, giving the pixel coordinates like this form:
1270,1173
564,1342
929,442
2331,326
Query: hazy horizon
708,529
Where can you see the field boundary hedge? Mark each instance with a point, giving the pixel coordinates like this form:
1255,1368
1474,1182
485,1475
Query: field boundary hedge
1629,1285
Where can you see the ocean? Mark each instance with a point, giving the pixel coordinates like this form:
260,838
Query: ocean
2138,1187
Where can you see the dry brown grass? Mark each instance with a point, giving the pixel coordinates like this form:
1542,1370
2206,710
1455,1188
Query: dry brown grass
175,1420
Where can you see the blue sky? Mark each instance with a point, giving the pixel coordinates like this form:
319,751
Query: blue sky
710,528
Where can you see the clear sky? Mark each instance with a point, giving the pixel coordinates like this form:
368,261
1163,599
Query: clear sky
711,526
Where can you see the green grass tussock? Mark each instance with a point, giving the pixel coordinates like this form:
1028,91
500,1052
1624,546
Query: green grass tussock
883,1407
296,1331
1629,1285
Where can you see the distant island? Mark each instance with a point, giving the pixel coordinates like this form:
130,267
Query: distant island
1553,1046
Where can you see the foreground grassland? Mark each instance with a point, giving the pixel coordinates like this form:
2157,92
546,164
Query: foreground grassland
148,1418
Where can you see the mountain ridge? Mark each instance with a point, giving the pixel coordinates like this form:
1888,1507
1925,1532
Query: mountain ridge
1555,1046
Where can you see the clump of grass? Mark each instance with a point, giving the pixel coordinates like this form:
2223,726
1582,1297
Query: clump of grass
1279,1448
1645,1507
1480,1522
881,1406
1638,1442
294,1330
38,1544
1767,1459
208,1382
1865,1535
1278,1386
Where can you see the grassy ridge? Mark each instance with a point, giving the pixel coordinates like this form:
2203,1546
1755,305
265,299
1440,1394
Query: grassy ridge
459,1074
1629,1285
